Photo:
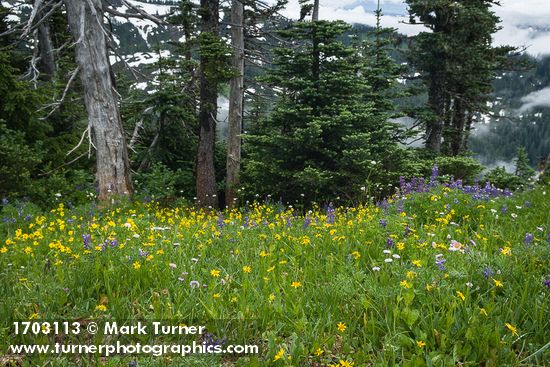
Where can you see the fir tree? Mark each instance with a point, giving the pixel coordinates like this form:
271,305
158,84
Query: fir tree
323,138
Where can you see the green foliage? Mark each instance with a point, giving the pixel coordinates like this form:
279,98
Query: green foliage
504,180
523,169
17,162
322,138
462,168
160,182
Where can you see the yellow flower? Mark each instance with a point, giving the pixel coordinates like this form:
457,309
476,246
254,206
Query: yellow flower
498,283
137,265
461,295
506,251
3,250
216,295
101,308
411,275
417,263
512,329
28,250
420,344
318,352
341,327
279,354
247,269
271,297
346,363
400,246
482,311
405,284
215,272
296,284
356,255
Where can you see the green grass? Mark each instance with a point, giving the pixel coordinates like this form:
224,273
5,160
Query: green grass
287,286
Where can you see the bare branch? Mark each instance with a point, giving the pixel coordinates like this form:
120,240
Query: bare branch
58,103
145,14
87,131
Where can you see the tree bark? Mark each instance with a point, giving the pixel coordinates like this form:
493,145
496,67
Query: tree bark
104,122
315,13
47,61
206,175
459,121
436,100
236,97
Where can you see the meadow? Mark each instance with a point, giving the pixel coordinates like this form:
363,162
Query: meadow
438,275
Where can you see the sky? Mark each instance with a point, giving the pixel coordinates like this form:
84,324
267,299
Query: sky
521,19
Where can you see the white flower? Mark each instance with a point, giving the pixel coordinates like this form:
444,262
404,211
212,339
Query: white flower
376,268
456,246
469,285
172,265
387,251
395,256
514,215
127,225
388,260
58,195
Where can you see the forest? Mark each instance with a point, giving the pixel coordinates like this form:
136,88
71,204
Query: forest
312,113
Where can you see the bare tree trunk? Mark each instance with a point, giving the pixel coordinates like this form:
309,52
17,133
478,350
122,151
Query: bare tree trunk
206,175
459,121
315,14
104,122
436,100
47,61
236,96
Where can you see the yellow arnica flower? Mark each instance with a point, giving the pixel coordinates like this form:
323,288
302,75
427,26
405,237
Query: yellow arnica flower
512,329
420,344
482,311
498,283
247,269
341,327
461,295
137,265
318,352
279,354
101,308
215,273
346,363
296,284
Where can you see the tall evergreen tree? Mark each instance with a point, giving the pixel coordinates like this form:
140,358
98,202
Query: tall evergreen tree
322,139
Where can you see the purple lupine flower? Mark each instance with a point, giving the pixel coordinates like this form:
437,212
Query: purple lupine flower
132,363
87,241
5,201
434,176
104,245
548,238
488,272
114,243
400,206
547,283
143,253
221,222
389,242
473,243
246,221
383,223
504,209
527,204
528,238
440,261
407,230
28,217
288,222
307,222
331,218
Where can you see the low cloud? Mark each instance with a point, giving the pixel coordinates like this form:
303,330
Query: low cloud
540,98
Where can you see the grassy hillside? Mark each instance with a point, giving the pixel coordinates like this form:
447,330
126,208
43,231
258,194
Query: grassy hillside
441,277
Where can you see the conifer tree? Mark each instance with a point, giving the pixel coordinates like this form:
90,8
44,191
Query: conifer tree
323,138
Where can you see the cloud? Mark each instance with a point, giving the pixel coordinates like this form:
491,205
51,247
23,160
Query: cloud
524,22
540,98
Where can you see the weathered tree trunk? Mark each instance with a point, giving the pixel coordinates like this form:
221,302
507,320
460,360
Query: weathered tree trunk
104,122
236,97
459,121
436,100
315,13
206,175
47,61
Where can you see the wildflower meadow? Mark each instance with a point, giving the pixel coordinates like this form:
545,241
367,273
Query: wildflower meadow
436,275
